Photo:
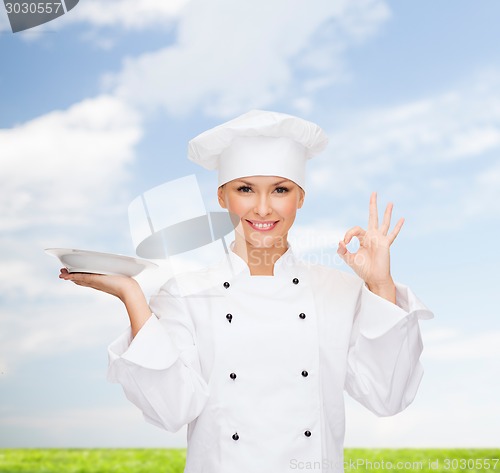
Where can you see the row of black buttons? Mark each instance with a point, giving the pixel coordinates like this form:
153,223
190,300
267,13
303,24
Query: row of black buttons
307,433
226,284
304,373
229,317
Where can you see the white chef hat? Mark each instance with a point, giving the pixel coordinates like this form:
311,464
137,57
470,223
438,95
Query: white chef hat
259,143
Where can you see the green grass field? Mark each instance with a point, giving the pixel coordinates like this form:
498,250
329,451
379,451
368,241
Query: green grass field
172,460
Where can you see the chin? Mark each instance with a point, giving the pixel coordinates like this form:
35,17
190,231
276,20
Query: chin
265,241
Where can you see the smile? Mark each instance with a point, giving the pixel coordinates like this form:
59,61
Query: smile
262,226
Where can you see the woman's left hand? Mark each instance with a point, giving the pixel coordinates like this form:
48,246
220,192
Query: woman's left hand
372,260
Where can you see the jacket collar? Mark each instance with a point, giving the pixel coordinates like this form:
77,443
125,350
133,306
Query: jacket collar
231,267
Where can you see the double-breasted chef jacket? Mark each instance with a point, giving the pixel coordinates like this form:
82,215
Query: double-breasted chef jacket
257,365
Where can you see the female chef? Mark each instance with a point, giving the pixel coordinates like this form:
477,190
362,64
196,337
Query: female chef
254,354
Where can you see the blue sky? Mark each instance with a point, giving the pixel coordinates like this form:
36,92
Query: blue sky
97,107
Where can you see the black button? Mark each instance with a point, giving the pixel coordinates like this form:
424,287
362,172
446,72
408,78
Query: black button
236,436
229,317
295,280
306,433
232,375
302,315
305,373
226,284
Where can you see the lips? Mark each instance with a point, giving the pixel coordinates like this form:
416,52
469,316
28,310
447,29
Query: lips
262,226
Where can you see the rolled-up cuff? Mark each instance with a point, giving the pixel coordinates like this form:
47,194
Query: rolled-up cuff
151,348
378,315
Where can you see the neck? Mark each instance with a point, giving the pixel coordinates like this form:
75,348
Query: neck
260,261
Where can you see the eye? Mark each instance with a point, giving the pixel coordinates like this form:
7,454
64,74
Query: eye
244,189
281,190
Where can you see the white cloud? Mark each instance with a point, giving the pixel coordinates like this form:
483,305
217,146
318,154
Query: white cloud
425,426
439,152
128,14
433,132
316,242
482,197
455,346
317,235
448,126
72,321
59,173
473,142
17,278
232,56
55,167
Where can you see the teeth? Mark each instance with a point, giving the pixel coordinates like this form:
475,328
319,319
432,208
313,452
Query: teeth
262,225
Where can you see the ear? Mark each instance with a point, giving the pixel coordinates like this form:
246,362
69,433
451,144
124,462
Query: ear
301,198
220,196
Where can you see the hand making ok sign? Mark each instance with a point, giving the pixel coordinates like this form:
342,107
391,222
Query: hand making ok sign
372,260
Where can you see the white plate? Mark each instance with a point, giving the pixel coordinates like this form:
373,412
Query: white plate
84,261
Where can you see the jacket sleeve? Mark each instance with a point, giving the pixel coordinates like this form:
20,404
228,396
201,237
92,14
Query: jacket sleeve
383,367
159,369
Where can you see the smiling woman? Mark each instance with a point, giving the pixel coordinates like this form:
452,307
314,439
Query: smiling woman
256,363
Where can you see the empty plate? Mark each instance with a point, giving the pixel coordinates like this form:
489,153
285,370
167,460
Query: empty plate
84,261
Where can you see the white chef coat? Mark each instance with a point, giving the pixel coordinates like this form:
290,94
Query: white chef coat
257,365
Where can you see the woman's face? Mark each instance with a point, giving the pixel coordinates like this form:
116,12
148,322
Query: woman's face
266,206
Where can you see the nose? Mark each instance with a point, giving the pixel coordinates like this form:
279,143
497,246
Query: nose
263,205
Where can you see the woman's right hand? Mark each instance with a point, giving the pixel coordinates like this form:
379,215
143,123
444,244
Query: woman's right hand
118,286
125,288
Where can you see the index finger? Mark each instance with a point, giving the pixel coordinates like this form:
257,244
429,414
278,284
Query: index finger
373,212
